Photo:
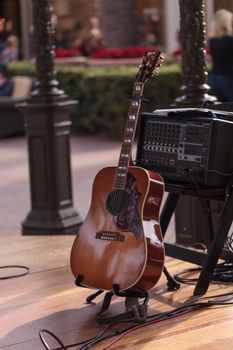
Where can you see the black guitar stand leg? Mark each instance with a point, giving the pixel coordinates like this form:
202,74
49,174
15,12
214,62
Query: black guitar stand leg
165,218
171,282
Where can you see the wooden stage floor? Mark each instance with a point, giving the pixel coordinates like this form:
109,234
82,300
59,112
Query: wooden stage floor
47,298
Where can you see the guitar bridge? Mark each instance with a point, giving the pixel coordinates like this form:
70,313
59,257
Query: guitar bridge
110,236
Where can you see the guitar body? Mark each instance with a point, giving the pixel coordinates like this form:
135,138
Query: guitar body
119,246
123,249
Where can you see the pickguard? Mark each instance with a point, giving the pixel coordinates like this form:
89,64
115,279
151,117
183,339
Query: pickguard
129,219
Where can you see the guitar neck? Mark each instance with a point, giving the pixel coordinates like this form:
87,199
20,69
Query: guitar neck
129,135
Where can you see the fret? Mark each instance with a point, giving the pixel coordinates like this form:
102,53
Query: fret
126,150
133,110
126,146
127,143
132,120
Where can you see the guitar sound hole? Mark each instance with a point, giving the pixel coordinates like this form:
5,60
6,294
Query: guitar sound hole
116,201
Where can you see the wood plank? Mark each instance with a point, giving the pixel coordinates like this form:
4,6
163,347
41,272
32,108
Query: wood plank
48,298
37,252
214,337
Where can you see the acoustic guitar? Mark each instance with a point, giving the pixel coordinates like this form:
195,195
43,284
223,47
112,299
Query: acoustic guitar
120,241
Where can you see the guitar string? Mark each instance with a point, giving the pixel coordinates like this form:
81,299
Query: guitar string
116,202
121,182
137,93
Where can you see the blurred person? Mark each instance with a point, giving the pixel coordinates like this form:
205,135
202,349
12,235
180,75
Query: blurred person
6,29
89,38
6,84
151,27
221,52
9,27
11,49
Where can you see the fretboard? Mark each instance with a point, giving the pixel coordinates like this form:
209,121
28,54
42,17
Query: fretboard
128,138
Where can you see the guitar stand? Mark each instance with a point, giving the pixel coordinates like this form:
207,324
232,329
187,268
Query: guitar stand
209,261
172,284
135,311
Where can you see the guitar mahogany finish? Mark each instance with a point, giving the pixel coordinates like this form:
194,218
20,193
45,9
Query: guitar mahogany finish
120,241
137,260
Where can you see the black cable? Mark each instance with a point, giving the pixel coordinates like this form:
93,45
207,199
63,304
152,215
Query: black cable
219,172
88,342
176,312
27,270
194,186
222,299
53,336
223,273
102,337
197,190
198,246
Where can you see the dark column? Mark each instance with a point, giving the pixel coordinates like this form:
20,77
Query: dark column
195,93
47,124
193,41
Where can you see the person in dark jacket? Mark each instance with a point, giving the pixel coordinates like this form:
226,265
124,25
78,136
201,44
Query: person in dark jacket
221,51
6,84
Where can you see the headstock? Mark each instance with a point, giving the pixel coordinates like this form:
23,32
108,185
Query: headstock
150,62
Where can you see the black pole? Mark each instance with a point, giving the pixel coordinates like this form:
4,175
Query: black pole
46,84
195,93
47,124
195,88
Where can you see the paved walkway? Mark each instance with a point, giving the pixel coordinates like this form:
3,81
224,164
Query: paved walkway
88,155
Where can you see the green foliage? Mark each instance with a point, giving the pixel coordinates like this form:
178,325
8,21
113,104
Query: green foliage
103,93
